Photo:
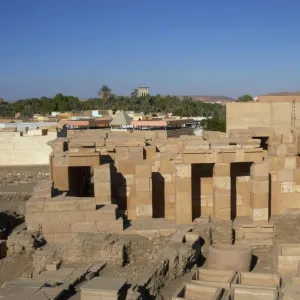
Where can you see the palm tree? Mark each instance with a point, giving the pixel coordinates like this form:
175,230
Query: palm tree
104,92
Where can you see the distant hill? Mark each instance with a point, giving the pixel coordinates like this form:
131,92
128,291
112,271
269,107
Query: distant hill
284,94
213,99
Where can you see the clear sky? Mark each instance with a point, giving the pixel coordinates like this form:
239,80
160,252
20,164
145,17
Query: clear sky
183,47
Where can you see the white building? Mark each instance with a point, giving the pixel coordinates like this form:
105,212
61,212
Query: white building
143,91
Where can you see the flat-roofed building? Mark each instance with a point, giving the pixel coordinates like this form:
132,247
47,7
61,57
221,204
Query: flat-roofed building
143,91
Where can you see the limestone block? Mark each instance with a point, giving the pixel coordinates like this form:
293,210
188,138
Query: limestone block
42,218
129,179
259,200
73,216
259,171
102,188
228,157
168,177
195,144
213,157
83,227
183,201
60,160
126,167
287,187
143,170
35,205
229,257
106,213
144,210
121,153
221,169
166,166
110,226
56,227
259,186
290,163
240,155
102,173
288,259
183,171
260,214
297,176
285,175
103,199
142,184
222,183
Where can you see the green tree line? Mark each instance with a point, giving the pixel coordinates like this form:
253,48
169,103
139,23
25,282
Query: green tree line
184,107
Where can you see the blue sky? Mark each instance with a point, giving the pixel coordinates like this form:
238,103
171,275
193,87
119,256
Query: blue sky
183,47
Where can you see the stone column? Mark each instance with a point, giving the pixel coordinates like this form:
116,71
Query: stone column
143,190
183,191
102,184
222,191
259,191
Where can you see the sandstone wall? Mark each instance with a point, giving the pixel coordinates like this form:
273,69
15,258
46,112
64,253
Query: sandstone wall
17,150
276,116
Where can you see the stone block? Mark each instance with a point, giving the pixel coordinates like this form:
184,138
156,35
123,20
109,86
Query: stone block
56,227
73,216
143,170
53,266
183,171
102,173
240,155
197,291
260,200
285,175
222,183
144,210
221,170
142,184
35,205
63,238
290,163
288,259
129,178
41,218
84,227
297,176
216,278
260,214
126,167
106,213
259,187
102,188
228,157
168,177
259,171
110,226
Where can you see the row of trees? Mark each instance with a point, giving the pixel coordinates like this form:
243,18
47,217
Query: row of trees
184,107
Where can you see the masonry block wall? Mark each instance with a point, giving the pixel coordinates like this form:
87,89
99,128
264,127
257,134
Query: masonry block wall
62,218
222,191
151,176
259,191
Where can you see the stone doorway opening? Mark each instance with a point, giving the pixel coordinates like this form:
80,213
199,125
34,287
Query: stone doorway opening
202,190
240,189
80,182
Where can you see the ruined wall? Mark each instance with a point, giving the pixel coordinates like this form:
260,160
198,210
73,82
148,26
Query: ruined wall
285,184
17,150
276,116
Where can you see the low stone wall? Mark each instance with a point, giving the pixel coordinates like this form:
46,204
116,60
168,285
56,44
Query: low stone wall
23,174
